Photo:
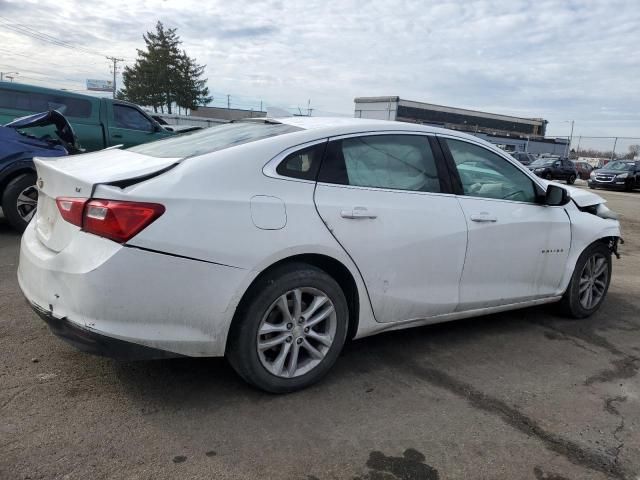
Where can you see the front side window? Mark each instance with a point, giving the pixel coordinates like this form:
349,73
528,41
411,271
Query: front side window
131,119
487,175
398,162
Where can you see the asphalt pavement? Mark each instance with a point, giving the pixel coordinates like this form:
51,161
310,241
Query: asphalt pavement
525,394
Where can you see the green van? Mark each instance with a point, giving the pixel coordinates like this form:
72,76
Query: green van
98,122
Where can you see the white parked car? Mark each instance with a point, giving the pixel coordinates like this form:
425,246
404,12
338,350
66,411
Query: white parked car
272,242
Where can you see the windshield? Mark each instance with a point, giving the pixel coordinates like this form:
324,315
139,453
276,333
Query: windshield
542,161
618,166
212,139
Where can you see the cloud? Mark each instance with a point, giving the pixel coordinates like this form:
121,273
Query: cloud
548,58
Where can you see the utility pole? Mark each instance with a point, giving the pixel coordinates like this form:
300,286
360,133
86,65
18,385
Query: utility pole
228,102
2,75
115,70
570,139
613,152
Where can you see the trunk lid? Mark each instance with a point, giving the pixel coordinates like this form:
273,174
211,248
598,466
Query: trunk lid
76,176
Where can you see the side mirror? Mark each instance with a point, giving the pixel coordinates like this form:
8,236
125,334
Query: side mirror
556,196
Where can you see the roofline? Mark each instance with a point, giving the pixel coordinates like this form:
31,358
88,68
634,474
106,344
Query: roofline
434,106
27,86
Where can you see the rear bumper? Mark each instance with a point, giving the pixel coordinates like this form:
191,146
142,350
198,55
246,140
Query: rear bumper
96,343
101,296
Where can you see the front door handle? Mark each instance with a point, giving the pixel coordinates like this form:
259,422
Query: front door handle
116,135
484,217
358,213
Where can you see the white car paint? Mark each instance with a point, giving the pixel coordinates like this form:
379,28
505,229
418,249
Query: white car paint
229,216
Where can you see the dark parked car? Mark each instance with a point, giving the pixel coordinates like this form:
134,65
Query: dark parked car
17,172
554,168
584,170
523,157
621,174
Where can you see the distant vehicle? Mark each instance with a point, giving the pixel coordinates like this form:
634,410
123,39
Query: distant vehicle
17,174
272,242
523,157
552,168
98,122
584,169
620,174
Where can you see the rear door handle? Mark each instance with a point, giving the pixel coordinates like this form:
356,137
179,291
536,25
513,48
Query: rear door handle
358,213
484,217
116,135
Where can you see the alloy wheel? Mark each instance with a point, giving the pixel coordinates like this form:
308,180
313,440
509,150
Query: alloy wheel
593,281
296,332
27,202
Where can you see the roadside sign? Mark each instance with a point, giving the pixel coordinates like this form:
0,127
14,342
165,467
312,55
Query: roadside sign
100,85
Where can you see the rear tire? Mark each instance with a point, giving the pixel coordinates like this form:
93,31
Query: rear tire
19,201
277,304
589,283
571,180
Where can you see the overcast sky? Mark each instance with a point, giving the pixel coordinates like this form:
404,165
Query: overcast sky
559,60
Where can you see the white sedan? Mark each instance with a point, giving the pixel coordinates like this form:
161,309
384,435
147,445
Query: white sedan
272,242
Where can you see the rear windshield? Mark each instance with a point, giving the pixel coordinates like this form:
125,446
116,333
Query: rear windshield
212,139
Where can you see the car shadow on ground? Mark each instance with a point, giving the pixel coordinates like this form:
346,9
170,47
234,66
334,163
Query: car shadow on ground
197,382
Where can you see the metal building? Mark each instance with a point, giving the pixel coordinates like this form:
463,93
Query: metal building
509,132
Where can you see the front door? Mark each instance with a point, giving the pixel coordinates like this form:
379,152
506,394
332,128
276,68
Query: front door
518,248
129,127
382,198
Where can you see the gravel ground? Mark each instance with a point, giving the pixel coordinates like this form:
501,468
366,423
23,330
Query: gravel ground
525,394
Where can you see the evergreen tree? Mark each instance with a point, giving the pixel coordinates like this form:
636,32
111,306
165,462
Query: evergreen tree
163,75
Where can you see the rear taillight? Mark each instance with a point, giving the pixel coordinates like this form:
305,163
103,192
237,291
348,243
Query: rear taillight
113,219
71,209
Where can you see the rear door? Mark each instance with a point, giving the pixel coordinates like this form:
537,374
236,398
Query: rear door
517,248
385,200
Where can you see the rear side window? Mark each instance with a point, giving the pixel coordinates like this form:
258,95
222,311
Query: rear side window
302,164
42,102
398,162
213,139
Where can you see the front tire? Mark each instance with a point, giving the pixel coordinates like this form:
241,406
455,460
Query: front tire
19,201
571,180
589,283
290,330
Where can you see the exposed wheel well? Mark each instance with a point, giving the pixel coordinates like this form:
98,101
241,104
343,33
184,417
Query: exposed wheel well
331,266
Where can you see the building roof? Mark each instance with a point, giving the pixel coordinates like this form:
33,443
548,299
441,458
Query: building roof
443,108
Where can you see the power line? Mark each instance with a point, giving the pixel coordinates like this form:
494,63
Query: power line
35,34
